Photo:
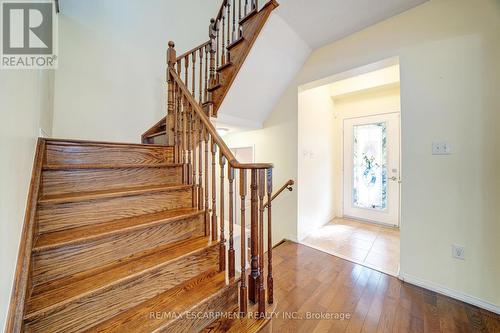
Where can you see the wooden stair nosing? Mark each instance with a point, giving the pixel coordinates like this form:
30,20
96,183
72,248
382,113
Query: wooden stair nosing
121,226
152,135
47,311
187,293
214,87
59,167
249,15
235,42
70,142
106,194
226,65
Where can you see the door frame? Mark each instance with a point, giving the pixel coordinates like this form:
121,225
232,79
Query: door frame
342,164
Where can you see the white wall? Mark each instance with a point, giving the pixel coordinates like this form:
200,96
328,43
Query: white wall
450,76
275,58
277,143
316,141
110,84
24,108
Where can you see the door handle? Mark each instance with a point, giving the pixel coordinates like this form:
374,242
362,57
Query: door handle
394,178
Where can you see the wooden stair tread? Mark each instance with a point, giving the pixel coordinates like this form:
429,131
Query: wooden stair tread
92,195
177,300
55,239
56,293
57,167
249,324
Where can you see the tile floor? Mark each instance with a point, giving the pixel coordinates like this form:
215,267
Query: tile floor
364,243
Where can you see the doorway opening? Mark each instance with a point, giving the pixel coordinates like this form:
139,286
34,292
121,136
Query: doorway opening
349,175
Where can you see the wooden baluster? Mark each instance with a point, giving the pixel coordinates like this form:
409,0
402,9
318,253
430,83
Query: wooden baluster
185,173
246,7
194,145
207,156
253,278
169,125
231,263
223,46
270,298
176,123
234,37
218,43
179,125
200,165
205,91
262,292
193,75
255,5
228,58
222,253
240,30
243,286
189,144
179,68
200,92
214,193
186,69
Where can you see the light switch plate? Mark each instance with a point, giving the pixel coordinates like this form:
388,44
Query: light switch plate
441,148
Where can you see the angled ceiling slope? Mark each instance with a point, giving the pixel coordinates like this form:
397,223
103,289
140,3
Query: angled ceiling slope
320,22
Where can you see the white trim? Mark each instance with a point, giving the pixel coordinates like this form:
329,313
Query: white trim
450,292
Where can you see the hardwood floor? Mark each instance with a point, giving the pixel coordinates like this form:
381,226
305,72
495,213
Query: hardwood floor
311,281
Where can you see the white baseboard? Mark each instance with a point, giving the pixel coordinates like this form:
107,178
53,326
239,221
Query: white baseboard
450,293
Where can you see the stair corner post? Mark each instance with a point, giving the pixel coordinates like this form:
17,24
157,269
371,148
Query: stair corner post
212,49
170,124
270,297
254,276
261,291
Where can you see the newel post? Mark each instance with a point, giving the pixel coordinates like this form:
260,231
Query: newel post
170,126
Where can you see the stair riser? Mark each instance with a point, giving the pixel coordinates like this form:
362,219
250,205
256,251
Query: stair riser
59,154
60,262
92,309
224,301
52,217
68,181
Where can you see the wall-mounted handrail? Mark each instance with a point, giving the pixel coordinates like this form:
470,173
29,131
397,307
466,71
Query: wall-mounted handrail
287,186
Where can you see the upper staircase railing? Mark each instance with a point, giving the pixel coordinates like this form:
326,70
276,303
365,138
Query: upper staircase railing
197,67
196,143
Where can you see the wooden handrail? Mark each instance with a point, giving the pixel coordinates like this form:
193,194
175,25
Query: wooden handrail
185,54
287,186
228,154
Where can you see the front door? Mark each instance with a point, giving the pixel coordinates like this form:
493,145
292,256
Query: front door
372,168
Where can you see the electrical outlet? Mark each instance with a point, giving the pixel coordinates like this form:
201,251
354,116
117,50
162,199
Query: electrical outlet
458,251
441,148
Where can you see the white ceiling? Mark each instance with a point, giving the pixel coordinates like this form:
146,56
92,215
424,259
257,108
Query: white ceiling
319,22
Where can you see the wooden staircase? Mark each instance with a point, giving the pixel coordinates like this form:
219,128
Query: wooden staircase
140,237
117,246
